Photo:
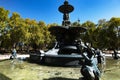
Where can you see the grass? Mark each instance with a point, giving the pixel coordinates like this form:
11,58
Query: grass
23,70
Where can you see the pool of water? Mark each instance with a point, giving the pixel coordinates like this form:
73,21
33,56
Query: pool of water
23,70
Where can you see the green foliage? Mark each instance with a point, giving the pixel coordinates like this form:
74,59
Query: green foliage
4,35
76,24
104,35
89,35
17,30
3,19
14,30
3,14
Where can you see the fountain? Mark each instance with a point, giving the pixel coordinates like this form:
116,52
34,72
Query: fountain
65,51
69,49
68,46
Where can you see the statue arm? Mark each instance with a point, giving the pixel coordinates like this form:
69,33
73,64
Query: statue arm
85,56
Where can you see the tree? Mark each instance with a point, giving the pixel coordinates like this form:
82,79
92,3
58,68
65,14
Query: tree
15,25
4,34
89,35
76,24
101,31
3,19
113,29
114,42
36,34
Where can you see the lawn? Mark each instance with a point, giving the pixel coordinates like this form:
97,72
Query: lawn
23,70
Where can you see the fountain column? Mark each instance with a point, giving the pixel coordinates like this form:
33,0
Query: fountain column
66,8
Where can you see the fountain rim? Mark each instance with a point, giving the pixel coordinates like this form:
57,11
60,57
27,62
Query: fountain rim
56,28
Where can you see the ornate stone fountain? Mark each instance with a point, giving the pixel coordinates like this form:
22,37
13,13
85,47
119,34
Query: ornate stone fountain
69,49
65,51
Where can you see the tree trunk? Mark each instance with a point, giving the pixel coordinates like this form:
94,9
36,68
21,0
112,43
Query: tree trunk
115,54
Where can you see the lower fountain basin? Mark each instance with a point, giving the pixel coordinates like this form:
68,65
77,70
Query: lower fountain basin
62,60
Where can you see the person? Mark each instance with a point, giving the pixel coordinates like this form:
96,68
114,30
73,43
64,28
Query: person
14,54
115,54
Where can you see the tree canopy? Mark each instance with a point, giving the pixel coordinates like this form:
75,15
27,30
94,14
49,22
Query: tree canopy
16,31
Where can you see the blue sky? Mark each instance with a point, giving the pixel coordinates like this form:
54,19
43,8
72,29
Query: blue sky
47,10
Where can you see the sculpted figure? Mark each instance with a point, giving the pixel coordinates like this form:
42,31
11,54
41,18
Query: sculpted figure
13,54
101,61
89,68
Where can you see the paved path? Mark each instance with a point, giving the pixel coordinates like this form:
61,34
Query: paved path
2,57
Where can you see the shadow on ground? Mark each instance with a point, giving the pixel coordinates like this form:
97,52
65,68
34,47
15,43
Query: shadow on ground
3,77
61,78
4,60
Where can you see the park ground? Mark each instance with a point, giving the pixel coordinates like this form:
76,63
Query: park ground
24,70
19,55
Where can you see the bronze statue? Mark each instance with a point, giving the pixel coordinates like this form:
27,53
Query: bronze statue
89,68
